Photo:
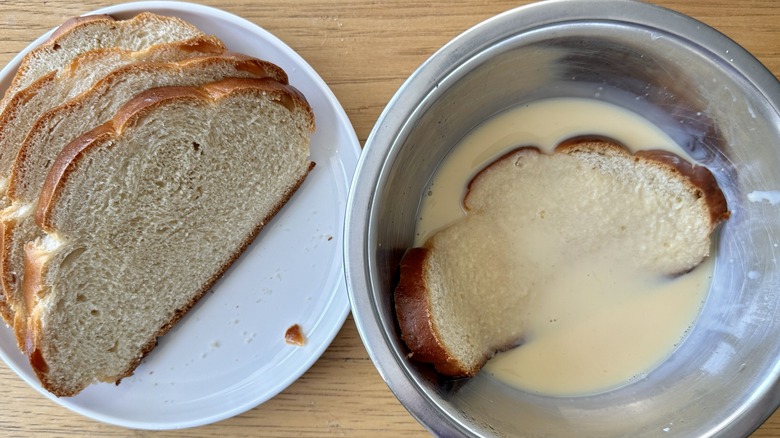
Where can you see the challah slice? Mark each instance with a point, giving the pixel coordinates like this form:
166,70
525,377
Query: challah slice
56,87
464,295
58,126
144,213
82,34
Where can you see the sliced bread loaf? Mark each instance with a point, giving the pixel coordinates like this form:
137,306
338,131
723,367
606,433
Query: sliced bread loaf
464,295
135,219
82,34
56,87
57,127
73,42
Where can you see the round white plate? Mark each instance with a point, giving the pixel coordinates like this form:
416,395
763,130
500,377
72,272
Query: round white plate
228,354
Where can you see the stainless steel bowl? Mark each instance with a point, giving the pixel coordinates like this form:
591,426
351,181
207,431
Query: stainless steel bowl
709,94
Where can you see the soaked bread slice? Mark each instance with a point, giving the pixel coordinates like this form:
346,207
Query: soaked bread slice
62,124
134,214
464,295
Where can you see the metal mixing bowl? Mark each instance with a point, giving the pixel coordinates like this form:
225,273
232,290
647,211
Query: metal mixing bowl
707,93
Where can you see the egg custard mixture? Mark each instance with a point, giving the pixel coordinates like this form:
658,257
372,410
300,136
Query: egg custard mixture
596,325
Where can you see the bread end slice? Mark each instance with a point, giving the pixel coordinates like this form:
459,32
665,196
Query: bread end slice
418,331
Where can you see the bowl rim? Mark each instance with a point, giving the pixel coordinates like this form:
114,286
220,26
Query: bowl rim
390,125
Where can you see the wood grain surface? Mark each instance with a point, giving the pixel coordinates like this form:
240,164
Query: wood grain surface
364,50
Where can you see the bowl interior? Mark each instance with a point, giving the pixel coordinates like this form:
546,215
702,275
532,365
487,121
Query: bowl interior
721,377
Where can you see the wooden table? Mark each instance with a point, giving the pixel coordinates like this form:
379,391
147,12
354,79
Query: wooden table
364,50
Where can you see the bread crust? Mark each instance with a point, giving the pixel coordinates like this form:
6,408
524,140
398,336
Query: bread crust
204,45
413,312
412,296
73,23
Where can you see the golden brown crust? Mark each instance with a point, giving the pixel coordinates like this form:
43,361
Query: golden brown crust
204,45
59,171
37,362
283,94
413,311
210,48
66,27
258,67
73,23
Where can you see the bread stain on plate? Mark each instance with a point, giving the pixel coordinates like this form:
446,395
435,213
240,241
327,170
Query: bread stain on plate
249,337
294,336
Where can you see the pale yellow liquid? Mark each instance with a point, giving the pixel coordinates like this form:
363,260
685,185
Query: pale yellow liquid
596,325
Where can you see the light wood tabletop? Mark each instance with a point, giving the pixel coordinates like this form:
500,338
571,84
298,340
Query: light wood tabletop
363,50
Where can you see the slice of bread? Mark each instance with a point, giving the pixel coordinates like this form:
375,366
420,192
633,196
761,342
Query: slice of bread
82,34
57,127
464,295
56,87
144,213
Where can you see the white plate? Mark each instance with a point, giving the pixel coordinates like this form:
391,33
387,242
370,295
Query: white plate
228,354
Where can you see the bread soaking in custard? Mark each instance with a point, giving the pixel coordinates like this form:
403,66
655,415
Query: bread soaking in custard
575,239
